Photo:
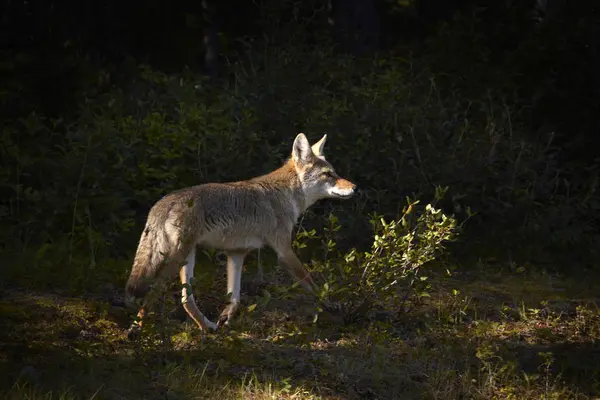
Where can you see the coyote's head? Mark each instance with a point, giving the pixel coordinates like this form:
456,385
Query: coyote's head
317,176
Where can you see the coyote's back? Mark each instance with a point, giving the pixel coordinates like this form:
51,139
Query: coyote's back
236,217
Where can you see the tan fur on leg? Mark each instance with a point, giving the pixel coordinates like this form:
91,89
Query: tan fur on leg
294,266
187,298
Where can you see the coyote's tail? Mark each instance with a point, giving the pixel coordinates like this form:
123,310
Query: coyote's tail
148,258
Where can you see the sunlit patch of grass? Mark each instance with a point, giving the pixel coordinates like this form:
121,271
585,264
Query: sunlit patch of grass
181,382
195,383
27,392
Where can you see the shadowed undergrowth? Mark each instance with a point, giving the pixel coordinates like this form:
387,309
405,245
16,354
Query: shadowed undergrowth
505,336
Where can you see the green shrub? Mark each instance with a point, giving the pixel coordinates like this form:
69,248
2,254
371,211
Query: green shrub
393,274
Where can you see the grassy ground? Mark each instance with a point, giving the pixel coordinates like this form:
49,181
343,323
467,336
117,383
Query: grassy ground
508,335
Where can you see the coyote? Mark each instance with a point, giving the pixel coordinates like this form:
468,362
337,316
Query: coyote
235,217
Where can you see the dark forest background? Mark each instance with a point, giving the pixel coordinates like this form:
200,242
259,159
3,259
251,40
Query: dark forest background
106,106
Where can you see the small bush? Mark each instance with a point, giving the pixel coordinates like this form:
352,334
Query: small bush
393,274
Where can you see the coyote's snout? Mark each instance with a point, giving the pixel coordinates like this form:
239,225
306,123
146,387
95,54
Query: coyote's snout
236,217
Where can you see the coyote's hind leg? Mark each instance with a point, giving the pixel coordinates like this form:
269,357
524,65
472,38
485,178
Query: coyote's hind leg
187,297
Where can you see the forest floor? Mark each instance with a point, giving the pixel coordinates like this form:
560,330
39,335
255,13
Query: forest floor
507,335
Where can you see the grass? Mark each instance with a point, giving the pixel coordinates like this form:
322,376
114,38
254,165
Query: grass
485,336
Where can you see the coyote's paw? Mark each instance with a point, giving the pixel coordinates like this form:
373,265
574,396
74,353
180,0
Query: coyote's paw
211,326
223,321
227,314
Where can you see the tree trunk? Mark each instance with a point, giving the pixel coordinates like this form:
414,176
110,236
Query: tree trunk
210,38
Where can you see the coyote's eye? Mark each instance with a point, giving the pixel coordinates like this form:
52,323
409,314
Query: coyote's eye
327,174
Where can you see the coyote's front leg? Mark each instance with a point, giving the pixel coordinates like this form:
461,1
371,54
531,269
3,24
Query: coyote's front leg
235,262
292,263
289,260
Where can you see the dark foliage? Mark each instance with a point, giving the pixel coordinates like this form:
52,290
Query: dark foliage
106,107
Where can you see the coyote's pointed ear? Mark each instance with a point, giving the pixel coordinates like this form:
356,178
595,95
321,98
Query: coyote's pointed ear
317,148
301,150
